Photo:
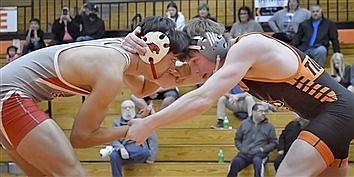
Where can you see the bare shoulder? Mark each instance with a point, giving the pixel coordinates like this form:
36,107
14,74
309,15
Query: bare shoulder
89,65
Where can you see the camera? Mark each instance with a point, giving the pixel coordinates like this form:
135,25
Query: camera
106,151
65,11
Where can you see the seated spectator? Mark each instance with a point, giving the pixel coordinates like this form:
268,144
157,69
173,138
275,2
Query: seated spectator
255,139
203,12
126,152
168,96
93,27
340,71
288,136
34,37
285,23
175,15
65,29
313,36
239,102
246,23
11,54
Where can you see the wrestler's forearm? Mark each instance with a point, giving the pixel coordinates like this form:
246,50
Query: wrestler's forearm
103,135
177,112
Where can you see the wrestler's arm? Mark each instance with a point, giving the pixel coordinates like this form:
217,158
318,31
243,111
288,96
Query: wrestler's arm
195,102
105,80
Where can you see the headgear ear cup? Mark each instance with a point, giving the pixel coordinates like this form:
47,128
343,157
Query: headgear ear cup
157,47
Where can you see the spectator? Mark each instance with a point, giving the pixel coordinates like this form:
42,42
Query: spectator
65,29
11,53
238,101
288,136
285,23
34,37
340,71
126,152
175,15
246,23
167,96
314,34
203,12
93,27
255,139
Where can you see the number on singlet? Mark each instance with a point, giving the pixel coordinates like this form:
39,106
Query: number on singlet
312,66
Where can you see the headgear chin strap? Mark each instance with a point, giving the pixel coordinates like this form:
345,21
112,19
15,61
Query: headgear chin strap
157,47
213,47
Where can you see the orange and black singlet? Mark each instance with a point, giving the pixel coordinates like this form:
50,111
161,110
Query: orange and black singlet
314,95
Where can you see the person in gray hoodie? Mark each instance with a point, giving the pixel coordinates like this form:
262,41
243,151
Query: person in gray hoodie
255,139
286,22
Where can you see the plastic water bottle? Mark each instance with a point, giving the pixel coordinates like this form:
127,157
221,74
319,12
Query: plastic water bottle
226,122
220,155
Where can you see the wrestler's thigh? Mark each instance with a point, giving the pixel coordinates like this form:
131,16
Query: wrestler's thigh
302,159
47,148
27,168
337,172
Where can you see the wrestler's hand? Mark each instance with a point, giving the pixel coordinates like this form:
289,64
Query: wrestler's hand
132,43
138,131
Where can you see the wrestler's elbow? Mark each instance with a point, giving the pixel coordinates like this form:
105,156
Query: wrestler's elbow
79,140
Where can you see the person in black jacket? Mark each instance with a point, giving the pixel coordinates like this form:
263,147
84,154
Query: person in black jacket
288,136
34,37
313,36
65,29
93,27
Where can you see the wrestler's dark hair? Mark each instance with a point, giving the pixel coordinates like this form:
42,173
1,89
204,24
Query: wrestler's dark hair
179,41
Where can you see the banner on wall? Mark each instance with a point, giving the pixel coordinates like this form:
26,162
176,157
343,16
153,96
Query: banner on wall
265,9
8,19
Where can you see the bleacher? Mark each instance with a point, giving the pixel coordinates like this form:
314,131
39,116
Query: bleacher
188,148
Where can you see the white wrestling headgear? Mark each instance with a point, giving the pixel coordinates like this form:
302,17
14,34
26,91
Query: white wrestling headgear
157,47
213,46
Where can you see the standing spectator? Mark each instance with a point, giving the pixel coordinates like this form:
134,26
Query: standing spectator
255,139
340,71
65,29
246,23
285,23
93,27
126,152
313,36
11,54
288,136
34,37
175,15
203,12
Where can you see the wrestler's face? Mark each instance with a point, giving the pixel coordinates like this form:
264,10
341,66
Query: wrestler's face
201,66
165,70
